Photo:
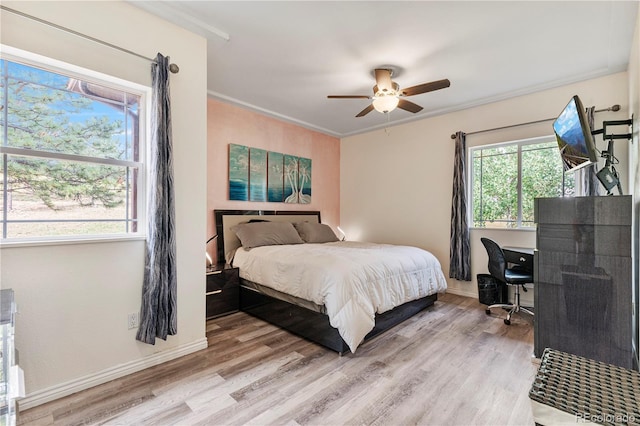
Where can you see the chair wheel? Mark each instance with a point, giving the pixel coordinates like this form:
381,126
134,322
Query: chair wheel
487,311
508,322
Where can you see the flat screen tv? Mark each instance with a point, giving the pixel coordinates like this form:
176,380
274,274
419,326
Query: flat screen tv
575,141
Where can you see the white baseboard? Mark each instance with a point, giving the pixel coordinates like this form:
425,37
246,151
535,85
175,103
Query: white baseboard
458,292
104,376
526,299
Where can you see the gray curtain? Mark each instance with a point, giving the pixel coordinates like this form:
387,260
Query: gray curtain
587,175
158,312
459,252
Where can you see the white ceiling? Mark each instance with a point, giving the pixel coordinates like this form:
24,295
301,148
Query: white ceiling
284,58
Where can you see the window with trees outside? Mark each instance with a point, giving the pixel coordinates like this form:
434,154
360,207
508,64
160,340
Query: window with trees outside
71,151
506,178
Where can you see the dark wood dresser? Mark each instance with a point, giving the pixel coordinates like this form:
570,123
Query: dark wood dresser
583,290
223,290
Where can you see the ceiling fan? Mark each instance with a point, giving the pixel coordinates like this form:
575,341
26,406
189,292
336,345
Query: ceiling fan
387,94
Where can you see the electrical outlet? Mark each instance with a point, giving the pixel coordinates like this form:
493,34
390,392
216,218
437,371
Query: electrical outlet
132,320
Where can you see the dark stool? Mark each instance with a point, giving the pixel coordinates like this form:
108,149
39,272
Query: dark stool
572,389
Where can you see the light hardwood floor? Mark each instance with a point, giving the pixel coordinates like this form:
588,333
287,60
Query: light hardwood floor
449,365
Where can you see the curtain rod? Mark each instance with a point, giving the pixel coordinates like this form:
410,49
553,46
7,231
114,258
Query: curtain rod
615,107
172,67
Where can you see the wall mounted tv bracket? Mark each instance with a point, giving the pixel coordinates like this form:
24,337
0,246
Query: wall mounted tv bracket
608,175
610,136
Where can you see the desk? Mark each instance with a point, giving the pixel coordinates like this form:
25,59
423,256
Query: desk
521,256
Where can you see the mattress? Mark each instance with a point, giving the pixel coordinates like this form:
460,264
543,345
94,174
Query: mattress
352,280
266,290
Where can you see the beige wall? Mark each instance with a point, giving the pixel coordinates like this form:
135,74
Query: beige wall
230,124
74,299
396,183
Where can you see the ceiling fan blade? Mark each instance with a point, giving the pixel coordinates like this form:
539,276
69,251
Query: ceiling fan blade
348,97
409,106
365,111
383,80
426,87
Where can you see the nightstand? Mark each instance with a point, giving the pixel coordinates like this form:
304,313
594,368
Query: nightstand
223,290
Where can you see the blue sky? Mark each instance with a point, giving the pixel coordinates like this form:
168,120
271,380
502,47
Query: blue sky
52,81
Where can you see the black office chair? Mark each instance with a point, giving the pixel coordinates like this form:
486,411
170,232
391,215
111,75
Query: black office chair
511,276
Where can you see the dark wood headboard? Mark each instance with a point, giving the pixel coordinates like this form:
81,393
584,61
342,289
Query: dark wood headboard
225,219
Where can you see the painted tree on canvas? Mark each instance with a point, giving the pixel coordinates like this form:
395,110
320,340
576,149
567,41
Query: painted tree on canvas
291,179
304,178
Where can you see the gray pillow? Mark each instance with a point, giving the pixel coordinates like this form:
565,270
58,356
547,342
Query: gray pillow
315,232
257,234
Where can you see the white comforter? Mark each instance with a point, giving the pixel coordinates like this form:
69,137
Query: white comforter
353,280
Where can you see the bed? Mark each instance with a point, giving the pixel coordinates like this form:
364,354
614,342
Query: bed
294,273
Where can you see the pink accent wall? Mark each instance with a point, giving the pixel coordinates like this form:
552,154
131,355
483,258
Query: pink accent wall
228,124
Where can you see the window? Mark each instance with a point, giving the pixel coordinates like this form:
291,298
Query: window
71,152
506,178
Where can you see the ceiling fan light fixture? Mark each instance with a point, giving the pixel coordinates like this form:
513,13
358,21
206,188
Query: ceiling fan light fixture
387,93
385,102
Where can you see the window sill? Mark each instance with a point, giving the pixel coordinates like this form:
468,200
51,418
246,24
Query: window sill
503,229
93,239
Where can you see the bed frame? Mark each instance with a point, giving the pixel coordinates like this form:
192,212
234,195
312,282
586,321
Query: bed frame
304,322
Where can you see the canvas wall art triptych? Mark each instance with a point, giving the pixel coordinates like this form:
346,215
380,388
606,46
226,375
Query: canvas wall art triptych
260,175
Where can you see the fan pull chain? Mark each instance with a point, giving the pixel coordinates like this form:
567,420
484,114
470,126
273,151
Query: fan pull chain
386,129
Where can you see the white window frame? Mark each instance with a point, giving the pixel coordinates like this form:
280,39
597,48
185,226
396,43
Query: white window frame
31,59
519,143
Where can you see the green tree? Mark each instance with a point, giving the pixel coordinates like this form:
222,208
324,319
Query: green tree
542,176
42,113
495,182
495,196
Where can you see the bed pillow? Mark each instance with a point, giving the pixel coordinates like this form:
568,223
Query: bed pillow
315,232
257,234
